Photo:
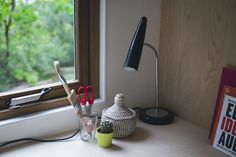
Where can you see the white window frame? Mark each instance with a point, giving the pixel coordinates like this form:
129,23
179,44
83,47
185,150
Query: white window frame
64,118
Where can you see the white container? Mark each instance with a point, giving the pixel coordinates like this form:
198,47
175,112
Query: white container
123,118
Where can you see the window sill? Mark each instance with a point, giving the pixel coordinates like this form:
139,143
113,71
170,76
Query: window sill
178,139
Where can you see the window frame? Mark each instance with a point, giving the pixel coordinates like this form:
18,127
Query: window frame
86,65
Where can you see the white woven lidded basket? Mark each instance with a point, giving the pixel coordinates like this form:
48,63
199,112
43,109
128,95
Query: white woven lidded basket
123,118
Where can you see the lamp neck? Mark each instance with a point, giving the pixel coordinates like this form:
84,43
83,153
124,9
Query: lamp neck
153,48
156,75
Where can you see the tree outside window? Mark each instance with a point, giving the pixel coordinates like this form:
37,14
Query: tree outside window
33,34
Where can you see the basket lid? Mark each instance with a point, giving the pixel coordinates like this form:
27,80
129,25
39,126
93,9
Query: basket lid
119,110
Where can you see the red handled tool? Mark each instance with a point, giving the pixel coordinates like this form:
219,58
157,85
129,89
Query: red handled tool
86,94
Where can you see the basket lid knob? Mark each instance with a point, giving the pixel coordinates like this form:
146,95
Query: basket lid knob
119,100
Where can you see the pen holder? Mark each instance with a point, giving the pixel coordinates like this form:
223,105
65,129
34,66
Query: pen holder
89,124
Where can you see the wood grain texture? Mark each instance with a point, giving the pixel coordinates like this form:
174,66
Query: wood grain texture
198,38
94,20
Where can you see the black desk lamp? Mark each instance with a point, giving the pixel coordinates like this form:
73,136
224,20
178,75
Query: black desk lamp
151,115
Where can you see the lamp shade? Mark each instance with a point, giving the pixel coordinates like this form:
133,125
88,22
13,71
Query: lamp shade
136,46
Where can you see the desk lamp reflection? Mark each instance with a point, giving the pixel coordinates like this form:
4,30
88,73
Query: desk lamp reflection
151,115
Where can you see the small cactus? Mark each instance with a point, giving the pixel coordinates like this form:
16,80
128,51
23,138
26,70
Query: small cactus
106,127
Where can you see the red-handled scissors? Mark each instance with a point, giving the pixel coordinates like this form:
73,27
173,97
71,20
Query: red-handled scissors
86,94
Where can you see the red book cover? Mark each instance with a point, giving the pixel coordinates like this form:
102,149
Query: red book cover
228,77
229,91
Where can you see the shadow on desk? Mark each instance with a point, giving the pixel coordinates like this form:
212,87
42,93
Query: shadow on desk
140,134
16,146
115,147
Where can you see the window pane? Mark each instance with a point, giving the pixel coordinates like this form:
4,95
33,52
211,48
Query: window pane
33,34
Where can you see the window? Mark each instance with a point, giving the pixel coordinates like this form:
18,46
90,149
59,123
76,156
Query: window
33,34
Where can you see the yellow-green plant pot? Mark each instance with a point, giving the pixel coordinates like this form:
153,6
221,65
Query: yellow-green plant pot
104,139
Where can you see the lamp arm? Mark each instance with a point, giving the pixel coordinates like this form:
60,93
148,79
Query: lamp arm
153,48
156,76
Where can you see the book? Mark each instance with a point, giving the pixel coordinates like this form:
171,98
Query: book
224,132
228,77
227,90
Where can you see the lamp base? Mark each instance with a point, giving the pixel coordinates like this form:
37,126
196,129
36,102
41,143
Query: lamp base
156,116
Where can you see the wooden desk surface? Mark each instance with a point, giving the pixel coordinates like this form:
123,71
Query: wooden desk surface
179,139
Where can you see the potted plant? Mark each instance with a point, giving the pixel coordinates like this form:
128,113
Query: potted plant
104,134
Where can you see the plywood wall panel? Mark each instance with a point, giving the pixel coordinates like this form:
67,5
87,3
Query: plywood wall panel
198,38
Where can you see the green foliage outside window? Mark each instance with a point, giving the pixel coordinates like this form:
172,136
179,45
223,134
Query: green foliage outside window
34,33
